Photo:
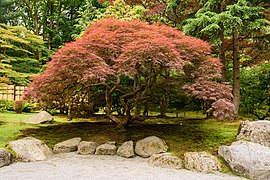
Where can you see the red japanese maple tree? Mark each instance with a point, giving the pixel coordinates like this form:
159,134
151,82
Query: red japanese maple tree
111,49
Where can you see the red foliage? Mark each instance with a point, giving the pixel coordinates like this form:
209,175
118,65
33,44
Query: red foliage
207,88
110,48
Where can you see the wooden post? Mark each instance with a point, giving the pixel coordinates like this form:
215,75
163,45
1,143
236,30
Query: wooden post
14,93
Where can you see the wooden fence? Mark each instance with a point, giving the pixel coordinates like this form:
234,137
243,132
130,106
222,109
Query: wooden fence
11,92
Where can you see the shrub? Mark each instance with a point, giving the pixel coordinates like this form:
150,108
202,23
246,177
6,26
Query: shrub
22,106
6,105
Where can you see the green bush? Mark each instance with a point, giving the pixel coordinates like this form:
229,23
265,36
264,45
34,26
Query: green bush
255,91
2,105
22,106
9,105
6,105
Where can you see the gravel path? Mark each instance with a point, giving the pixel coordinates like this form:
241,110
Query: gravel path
70,166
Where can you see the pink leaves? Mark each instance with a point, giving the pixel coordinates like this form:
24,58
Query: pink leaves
223,109
111,48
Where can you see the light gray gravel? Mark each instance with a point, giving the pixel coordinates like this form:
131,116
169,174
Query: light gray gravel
71,166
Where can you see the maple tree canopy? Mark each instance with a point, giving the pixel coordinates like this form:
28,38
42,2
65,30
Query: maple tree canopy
146,54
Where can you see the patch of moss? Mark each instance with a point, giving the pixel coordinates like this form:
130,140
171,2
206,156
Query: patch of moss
182,135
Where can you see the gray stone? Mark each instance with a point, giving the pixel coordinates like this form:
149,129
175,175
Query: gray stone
111,143
30,149
106,149
255,131
201,162
126,150
42,117
5,157
67,146
87,147
247,159
149,146
166,160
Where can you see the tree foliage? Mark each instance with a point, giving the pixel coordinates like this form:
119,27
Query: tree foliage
20,53
111,51
242,23
255,90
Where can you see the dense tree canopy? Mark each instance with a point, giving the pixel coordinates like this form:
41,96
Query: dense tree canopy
20,54
129,60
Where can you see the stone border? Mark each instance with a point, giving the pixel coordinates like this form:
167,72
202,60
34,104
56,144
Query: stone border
151,146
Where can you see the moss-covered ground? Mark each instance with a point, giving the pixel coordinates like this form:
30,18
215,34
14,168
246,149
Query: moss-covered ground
182,134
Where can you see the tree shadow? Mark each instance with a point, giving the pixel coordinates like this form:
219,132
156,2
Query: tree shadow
2,123
182,137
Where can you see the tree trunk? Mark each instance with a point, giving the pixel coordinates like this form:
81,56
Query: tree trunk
33,13
163,105
222,59
59,14
145,111
165,97
222,53
108,110
236,72
50,38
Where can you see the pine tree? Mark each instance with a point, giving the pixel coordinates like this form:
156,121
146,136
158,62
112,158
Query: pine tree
232,19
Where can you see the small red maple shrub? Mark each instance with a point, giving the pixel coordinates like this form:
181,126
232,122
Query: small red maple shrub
111,49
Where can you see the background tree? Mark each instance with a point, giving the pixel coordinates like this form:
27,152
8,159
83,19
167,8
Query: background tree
238,21
20,54
255,91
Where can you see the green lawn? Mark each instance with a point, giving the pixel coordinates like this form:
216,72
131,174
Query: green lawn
181,134
11,126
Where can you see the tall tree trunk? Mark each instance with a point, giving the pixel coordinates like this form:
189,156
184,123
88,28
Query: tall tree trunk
33,13
50,38
222,53
222,59
59,14
236,72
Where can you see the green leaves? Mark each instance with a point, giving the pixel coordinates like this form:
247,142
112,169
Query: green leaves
19,49
18,38
243,16
255,90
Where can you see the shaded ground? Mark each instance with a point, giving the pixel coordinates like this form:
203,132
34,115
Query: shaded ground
2,123
181,135
70,166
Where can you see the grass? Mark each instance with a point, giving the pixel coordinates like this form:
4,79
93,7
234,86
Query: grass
181,134
11,126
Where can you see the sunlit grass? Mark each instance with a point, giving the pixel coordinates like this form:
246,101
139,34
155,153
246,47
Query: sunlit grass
11,125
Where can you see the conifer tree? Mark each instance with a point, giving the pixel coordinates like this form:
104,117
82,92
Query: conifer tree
232,19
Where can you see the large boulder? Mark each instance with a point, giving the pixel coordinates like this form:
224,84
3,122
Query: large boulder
5,157
247,159
201,162
87,147
166,160
126,150
255,131
42,117
106,149
149,146
30,149
67,146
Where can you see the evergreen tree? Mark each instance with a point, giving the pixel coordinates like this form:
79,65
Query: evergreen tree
20,53
233,19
